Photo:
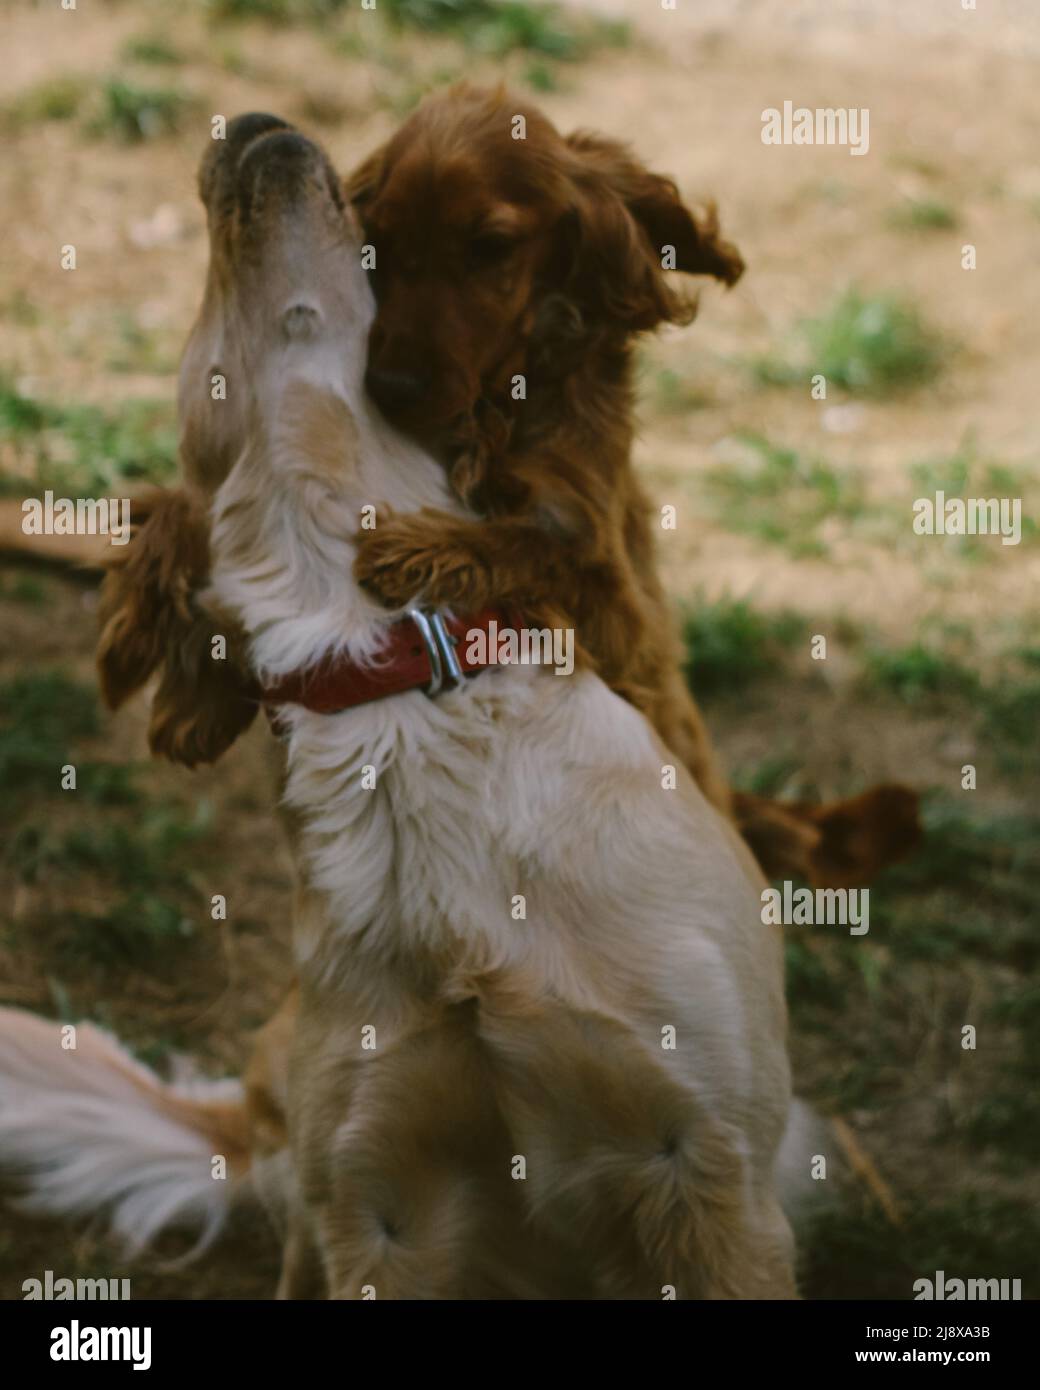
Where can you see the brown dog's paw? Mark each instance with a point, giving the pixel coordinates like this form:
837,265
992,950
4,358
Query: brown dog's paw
418,556
394,562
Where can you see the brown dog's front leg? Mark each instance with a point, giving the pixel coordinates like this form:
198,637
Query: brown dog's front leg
444,559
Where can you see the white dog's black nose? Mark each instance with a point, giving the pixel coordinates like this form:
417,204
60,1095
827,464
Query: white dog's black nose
280,161
262,158
217,172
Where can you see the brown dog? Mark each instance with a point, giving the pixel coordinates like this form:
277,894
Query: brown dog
514,268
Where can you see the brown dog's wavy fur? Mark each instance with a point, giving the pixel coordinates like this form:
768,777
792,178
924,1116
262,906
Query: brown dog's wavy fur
566,533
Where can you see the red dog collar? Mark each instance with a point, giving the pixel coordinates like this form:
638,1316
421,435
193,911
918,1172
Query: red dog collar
423,651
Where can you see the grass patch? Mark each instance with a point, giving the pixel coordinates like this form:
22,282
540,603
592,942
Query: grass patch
132,113
858,1254
874,346
949,474
1009,1119
966,850
134,867
541,77
1006,705
782,496
500,27
43,715
138,930
82,448
55,99
114,108
772,776
810,980
1012,717
278,11
25,588
1009,1116
914,671
966,891
878,345
923,215
729,644
967,895
154,50
966,473
135,856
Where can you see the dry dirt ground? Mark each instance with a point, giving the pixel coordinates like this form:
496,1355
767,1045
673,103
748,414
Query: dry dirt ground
794,519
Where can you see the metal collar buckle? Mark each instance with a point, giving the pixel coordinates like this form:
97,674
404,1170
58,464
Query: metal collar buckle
446,673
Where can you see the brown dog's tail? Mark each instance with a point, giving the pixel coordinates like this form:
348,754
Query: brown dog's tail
839,844
87,1131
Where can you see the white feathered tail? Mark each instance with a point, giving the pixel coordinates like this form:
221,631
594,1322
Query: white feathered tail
807,1138
90,1132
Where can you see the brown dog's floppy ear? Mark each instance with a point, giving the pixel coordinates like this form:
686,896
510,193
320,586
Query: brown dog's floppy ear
149,622
667,234
699,249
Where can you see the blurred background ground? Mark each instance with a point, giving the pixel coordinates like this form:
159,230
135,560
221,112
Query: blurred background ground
794,520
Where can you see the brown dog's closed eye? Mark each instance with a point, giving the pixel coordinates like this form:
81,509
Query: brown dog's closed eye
150,622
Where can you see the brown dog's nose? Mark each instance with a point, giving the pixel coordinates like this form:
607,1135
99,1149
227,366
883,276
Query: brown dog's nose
394,390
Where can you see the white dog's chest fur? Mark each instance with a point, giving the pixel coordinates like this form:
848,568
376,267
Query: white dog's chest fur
519,823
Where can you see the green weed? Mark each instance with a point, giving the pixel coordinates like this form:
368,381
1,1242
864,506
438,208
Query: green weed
82,448
859,1254
42,714
54,99
132,113
914,671
729,644
153,49
782,496
923,214
499,27
875,346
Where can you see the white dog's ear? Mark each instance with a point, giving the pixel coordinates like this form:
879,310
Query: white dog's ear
146,594
150,623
